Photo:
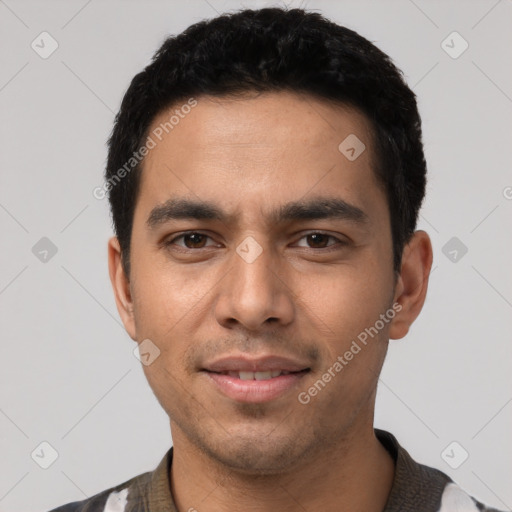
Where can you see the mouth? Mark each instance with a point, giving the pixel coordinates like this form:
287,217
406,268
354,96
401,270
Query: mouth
246,378
258,375
255,386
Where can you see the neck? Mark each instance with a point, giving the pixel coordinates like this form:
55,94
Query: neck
355,475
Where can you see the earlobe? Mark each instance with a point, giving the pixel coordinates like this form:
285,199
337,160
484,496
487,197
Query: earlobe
412,283
121,287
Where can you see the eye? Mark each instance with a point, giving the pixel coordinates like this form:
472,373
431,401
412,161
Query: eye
196,240
191,240
319,240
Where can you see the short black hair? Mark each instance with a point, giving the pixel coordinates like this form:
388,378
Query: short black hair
272,50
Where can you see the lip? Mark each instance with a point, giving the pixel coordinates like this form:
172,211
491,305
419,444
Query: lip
255,391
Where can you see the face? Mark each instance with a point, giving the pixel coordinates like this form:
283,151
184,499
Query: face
259,246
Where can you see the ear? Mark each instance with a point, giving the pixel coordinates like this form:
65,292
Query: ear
121,287
412,283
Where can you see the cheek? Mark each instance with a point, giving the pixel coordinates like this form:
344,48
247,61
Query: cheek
345,300
165,296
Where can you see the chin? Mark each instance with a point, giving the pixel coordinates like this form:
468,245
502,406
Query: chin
258,453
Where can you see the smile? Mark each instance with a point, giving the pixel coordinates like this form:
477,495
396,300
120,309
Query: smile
255,387
263,375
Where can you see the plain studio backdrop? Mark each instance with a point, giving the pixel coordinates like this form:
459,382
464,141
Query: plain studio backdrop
71,387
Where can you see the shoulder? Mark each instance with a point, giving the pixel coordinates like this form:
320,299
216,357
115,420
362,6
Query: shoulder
454,499
140,493
110,500
417,487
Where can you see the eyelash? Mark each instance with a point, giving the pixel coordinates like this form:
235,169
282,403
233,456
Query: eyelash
339,243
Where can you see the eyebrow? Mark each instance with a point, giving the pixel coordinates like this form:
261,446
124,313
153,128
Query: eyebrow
313,209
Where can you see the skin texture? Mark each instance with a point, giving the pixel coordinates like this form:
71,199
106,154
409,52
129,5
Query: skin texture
307,298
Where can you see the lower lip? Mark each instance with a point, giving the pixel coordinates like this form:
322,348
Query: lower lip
255,391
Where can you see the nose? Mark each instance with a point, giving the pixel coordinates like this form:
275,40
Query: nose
255,293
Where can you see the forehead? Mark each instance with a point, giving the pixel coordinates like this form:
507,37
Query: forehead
258,121
260,148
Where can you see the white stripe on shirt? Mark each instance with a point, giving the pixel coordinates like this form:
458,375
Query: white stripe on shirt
454,499
116,501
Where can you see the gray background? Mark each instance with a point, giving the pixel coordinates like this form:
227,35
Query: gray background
69,376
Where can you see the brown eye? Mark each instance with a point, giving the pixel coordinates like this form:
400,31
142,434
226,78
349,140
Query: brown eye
190,240
320,241
195,240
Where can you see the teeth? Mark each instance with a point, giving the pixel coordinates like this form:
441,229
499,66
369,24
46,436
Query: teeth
262,375
257,375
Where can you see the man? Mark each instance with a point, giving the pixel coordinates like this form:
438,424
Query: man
265,174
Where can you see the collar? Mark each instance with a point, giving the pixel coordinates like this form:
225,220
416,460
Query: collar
415,486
